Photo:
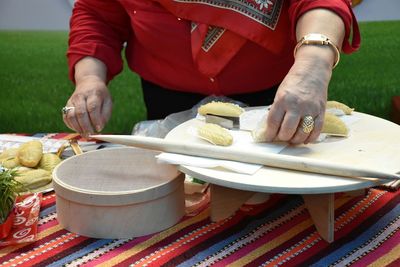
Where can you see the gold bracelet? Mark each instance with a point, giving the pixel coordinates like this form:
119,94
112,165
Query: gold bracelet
318,39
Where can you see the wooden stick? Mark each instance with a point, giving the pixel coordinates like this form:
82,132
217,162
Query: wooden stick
229,153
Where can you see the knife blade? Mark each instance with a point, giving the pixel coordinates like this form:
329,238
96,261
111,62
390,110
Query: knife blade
223,121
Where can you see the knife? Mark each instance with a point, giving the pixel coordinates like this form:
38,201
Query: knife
227,122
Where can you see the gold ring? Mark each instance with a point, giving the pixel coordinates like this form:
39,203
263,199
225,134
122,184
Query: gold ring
307,124
65,110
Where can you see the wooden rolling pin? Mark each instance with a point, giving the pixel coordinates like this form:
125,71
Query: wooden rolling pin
228,153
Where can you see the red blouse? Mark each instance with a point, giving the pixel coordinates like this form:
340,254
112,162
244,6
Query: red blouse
158,43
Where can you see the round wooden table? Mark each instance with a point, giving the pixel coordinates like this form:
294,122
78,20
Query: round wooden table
373,143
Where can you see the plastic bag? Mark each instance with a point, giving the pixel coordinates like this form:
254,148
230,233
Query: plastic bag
160,128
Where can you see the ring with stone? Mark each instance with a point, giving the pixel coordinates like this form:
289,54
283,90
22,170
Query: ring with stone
307,124
65,110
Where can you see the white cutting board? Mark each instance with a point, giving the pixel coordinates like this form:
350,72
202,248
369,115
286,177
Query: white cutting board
373,143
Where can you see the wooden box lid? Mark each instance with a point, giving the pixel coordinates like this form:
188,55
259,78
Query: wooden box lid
116,176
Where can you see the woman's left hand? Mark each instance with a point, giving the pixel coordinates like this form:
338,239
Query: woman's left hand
302,93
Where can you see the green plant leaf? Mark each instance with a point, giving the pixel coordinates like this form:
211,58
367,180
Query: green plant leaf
8,192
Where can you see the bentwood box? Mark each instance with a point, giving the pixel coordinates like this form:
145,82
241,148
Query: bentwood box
118,193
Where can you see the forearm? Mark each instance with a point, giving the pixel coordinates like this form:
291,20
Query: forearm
324,22
98,30
90,67
91,99
303,92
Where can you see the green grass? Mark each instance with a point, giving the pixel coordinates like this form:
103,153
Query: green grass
34,83
369,78
34,86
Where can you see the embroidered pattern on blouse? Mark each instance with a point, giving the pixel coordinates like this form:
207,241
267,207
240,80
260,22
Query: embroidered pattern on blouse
265,12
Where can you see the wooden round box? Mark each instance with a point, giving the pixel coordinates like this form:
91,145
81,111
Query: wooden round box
118,193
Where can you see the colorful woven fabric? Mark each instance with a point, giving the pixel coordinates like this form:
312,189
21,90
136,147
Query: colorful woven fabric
279,232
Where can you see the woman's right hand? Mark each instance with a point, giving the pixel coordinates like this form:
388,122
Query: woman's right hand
91,101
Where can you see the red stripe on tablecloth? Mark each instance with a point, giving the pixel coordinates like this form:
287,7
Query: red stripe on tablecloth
131,244
298,239
352,229
297,242
268,237
395,263
48,225
111,254
199,235
235,224
303,248
352,201
29,258
138,240
252,212
29,246
258,213
310,231
48,200
24,248
64,251
57,252
163,242
289,255
271,234
373,212
383,249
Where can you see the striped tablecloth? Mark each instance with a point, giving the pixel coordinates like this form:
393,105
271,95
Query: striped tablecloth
278,232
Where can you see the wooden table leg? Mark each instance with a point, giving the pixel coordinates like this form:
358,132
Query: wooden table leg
322,211
226,201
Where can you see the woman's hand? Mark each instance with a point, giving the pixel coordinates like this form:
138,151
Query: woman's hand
91,101
92,107
302,93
